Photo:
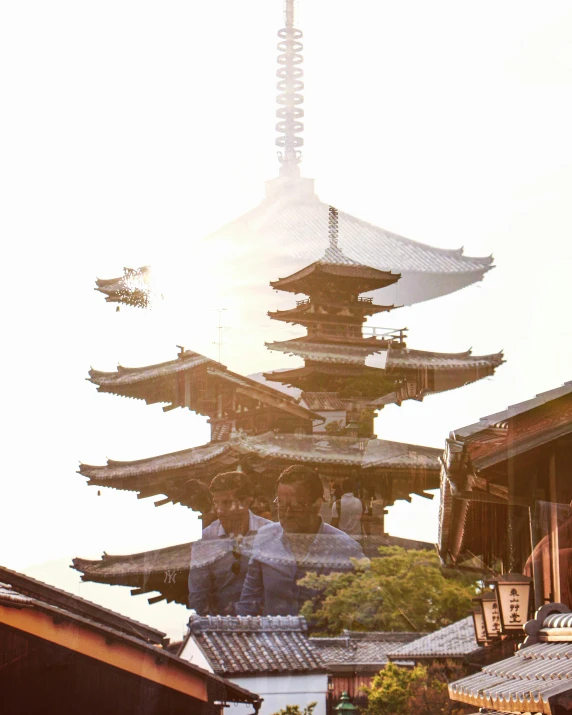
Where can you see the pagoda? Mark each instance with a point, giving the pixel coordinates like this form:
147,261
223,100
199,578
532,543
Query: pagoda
325,417
259,429
281,230
364,372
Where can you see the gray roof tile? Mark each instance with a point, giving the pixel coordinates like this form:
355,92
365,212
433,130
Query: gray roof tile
324,449
322,401
456,640
298,225
360,649
530,681
236,645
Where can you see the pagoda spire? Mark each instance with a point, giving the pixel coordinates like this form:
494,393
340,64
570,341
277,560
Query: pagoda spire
333,226
290,86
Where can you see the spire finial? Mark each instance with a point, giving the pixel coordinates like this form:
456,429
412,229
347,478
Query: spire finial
290,86
333,226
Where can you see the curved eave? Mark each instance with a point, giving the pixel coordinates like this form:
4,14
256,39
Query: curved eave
303,316
409,359
309,283
146,571
195,458
293,218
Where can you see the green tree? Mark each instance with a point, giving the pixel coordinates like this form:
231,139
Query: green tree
398,591
391,689
424,691
295,710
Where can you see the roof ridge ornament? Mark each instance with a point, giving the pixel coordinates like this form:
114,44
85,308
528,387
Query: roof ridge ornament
290,97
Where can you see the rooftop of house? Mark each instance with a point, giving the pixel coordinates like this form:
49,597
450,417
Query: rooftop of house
249,645
454,641
40,611
537,679
360,651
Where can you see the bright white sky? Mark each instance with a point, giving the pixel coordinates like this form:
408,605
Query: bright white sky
129,130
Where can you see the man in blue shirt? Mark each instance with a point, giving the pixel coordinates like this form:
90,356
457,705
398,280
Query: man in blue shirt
219,561
299,544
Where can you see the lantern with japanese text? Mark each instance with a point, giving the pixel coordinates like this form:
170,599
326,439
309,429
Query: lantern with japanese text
479,625
513,594
491,615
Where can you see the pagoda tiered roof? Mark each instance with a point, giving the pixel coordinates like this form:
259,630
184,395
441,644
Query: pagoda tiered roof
339,358
287,228
320,449
406,358
336,268
425,371
170,383
132,288
304,313
165,474
167,570
413,468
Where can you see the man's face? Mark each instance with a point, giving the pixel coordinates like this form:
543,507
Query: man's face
232,510
297,511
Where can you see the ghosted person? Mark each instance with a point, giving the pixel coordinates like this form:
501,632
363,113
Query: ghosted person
348,510
300,543
198,498
219,561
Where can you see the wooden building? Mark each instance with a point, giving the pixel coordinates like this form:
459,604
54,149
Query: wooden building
353,659
506,490
271,655
536,679
62,654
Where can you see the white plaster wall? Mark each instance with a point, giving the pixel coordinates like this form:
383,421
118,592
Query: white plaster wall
194,655
378,359
281,690
331,416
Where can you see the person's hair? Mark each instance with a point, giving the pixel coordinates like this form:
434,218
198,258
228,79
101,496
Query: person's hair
348,485
237,481
298,474
197,496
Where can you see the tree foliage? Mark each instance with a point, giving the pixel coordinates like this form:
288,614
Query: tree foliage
423,691
398,591
295,710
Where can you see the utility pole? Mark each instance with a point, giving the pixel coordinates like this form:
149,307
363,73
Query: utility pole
220,328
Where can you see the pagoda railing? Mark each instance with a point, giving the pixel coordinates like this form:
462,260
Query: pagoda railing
305,301
389,334
365,300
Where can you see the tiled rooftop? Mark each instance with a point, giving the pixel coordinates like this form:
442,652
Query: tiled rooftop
298,225
67,611
454,641
360,649
537,679
440,361
151,465
124,376
342,450
517,409
403,358
527,682
126,569
236,645
322,401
